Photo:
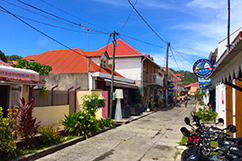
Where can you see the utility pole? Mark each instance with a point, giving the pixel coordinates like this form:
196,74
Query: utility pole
166,74
113,68
228,36
87,55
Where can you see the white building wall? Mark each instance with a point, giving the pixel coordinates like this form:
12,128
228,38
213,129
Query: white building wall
221,101
128,67
222,46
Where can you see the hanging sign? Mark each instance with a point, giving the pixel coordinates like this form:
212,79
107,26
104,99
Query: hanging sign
203,68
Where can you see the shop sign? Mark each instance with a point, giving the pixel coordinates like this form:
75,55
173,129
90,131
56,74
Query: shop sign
204,82
203,68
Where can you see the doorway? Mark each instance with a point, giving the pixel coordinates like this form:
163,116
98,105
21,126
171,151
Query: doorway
4,99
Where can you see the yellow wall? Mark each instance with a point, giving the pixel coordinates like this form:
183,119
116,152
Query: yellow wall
79,101
25,92
50,115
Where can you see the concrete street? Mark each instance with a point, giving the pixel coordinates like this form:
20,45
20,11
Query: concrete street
153,137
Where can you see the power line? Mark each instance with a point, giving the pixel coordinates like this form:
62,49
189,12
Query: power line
72,15
47,24
47,12
181,55
41,31
128,17
143,41
134,44
38,14
71,22
145,21
174,58
181,61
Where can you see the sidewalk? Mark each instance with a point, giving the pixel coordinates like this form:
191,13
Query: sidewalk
150,136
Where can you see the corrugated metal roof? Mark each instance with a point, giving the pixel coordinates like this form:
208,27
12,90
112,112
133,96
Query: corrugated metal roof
121,49
68,61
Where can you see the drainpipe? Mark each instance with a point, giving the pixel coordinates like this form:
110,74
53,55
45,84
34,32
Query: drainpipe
52,91
75,98
68,96
142,75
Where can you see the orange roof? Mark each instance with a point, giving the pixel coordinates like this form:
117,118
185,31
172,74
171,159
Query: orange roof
121,49
94,53
68,61
196,84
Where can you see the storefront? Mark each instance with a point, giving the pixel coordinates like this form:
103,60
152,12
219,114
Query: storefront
14,84
228,71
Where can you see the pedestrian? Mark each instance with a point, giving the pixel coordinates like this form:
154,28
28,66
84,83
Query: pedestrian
186,100
178,101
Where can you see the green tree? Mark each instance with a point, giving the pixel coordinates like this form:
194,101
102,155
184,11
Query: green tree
14,57
36,66
2,56
187,77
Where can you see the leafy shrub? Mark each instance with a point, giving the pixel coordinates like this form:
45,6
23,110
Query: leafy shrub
28,126
206,114
92,102
49,134
80,123
7,133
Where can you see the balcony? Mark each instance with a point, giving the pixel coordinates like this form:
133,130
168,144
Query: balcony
153,78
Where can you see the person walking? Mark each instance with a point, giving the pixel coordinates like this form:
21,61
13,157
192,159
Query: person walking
185,101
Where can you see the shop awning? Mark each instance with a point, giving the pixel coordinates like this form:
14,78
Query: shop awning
11,75
229,66
120,84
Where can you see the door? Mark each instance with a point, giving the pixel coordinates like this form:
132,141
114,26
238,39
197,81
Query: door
238,107
229,105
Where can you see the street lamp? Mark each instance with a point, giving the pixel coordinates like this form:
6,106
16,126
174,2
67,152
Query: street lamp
87,54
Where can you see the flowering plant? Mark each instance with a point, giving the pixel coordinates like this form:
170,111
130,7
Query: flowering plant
92,102
206,114
49,134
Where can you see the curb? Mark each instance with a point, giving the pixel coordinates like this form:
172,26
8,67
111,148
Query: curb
55,148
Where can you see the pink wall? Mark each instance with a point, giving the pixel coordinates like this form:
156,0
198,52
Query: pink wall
105,109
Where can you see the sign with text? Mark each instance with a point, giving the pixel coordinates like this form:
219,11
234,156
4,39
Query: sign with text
203,68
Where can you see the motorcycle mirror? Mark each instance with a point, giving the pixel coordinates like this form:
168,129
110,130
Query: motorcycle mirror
228,127
196,119
185,132
192,113
232,129
187,120
220,120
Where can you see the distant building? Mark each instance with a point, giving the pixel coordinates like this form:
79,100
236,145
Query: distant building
192,88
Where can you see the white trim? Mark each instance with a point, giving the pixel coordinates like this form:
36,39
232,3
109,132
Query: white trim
12,69
108,76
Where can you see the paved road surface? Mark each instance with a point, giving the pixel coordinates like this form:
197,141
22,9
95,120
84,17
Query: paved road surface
153,137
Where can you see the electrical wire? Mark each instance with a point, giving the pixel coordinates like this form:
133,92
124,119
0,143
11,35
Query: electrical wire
39,14
72,15
181,55
173,55
181,61
142,41
47,24
41,31
133,44
128,17
145,21
71,22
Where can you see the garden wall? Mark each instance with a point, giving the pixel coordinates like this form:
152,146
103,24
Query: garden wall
50,115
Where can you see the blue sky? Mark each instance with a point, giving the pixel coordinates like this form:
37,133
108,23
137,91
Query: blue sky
193,27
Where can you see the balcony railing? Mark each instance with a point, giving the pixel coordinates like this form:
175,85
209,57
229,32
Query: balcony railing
153,78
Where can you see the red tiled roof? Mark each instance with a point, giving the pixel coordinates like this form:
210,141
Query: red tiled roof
4,64
22,80
121,49
196,84
93,53
68,61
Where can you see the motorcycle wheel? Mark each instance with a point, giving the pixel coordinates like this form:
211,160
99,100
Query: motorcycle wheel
184,155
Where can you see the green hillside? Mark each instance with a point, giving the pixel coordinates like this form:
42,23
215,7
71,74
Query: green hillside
188,77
